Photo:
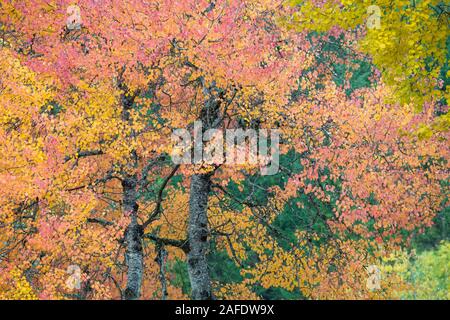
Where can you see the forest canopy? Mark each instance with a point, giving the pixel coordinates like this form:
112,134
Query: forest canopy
239,149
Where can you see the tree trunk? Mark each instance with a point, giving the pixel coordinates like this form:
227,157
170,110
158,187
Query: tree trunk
198,203
198,238
133,241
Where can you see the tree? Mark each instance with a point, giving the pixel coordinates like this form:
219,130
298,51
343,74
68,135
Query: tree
406,40
425,275
122,83
96,188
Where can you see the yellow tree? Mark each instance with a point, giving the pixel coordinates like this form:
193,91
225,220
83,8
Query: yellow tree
407,41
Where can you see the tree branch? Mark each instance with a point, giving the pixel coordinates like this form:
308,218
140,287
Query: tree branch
83,154
155,214
182,244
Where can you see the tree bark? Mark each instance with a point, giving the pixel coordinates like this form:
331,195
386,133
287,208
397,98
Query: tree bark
161,256
198,203
198,238
133,241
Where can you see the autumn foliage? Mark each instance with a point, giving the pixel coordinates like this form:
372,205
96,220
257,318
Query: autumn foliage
88,188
